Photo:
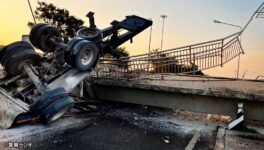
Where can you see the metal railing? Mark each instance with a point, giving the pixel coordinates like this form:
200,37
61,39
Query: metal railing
188,59
260,13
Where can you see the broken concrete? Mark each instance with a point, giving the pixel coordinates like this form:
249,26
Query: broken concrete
197,94
196,85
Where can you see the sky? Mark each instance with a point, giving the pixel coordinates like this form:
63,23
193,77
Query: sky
188,22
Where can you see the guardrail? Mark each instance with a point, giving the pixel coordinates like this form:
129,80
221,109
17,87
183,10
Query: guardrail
260,13
188,59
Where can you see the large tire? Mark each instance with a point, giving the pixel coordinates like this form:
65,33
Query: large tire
56,110
9,49
70,45
16,55
84,55
14,64
47,99
32,36
40,37
90,34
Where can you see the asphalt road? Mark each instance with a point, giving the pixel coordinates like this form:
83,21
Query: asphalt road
132,127
120,128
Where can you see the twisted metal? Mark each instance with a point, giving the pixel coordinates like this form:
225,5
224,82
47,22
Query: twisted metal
260,13
188,59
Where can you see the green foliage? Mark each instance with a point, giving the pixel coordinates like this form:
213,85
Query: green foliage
122,52
1,47
61,18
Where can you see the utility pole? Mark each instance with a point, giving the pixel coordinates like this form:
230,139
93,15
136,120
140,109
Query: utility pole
32,13
150,38
238,63
161,47
149,48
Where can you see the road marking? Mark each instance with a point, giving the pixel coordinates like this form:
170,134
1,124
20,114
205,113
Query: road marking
193,141
220,139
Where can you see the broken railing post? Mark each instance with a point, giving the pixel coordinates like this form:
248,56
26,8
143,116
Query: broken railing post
193,65
222,49
190,54
162,77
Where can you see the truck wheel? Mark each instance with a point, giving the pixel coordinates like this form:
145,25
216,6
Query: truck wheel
32,34
47,99
70,45
16,56
40,37
13,47
56,110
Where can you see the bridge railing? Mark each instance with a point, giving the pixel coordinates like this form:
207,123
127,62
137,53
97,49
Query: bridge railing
190,59
260,13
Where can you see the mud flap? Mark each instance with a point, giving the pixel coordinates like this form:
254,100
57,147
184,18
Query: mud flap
10,109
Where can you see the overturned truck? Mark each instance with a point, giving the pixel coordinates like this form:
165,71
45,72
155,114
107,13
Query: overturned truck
39,85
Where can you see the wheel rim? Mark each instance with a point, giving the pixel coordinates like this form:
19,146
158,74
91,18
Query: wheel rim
89,34
40,34
48,98
87,57
68,51
60,113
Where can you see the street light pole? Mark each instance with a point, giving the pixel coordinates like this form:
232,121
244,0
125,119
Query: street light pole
161,46
238,64
150,37
163,21
220,22
149,48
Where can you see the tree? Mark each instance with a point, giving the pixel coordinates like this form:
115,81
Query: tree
1,47
162,62
61,18
122,52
